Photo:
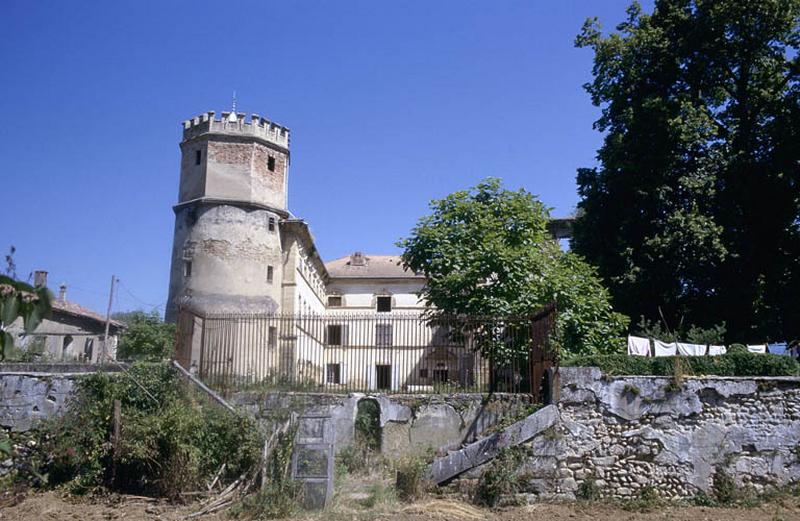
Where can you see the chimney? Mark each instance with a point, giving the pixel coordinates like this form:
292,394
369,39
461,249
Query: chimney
62,292
40,278
358,259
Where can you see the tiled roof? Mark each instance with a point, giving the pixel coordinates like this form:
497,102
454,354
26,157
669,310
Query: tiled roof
76,310
371,267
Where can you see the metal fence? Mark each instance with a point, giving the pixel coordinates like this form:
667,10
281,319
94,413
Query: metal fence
378,352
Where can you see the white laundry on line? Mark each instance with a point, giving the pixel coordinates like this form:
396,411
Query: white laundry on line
760,349
691,349
663,348
638,346
717,350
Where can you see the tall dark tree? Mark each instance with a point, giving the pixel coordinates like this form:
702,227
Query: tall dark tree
695,207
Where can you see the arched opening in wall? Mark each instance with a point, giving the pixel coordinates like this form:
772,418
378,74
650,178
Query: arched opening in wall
362,457
368,426
66,347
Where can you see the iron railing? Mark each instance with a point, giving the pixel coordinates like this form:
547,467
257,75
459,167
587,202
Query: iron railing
378,352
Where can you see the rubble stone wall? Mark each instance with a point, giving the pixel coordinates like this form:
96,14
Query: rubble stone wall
624,434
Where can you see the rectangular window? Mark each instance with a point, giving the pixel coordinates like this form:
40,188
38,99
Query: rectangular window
271,163
384,304
383,335
272,339
270,274
272,224
198,156
334,373
440,375
335,301
334,335
187,268
384,376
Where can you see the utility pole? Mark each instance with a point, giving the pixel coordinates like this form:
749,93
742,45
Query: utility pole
108,319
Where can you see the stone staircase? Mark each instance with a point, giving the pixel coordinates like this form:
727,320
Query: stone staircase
479,452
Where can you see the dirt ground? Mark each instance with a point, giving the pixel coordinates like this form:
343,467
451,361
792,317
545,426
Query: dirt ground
53,506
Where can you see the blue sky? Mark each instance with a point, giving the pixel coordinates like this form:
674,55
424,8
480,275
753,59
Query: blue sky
391,104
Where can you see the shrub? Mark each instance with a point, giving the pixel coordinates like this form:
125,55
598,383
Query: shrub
169,441
500,478
410,482
731,364
588,490
724,487
277,500
737,348
646,500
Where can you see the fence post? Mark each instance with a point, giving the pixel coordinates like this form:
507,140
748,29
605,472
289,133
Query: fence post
116,438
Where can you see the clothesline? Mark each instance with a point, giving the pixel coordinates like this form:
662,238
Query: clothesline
640,346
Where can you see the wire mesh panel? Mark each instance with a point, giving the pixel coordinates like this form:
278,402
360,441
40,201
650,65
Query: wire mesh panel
378,352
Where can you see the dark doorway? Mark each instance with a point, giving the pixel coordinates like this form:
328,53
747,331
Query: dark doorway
384,377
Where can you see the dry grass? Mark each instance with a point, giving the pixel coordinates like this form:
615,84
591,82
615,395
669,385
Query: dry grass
445,509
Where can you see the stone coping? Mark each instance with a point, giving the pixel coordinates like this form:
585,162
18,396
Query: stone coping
55,369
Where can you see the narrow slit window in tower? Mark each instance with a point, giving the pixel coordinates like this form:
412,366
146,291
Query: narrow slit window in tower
271,163
272,224
198,156
187,268
269,274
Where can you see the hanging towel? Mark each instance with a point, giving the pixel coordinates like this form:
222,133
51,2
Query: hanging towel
759,349
716,350
691,349
638,346
663,348
778,348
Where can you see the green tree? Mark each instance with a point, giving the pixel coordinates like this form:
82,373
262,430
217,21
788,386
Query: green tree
486,251
19,301
147,337
695,207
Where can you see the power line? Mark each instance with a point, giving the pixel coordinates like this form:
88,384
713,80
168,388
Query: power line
137,299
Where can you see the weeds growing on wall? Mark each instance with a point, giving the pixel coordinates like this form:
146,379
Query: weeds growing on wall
646,500
171,440
501,478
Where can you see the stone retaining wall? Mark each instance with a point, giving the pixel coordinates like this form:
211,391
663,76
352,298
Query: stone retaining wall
30,392
410,424
626,433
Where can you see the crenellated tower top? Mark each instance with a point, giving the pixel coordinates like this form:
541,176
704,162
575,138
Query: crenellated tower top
236,124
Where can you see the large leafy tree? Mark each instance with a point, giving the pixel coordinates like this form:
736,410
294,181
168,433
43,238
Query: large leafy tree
486,251
20,304
695,207
147,337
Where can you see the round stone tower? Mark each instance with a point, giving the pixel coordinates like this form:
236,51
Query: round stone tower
226,253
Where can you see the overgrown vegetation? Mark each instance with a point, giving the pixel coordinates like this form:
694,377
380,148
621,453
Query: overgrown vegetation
730,364
362,455
588,490
147,337
171,440
645,500
410,483
19,302
280,496
501,478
